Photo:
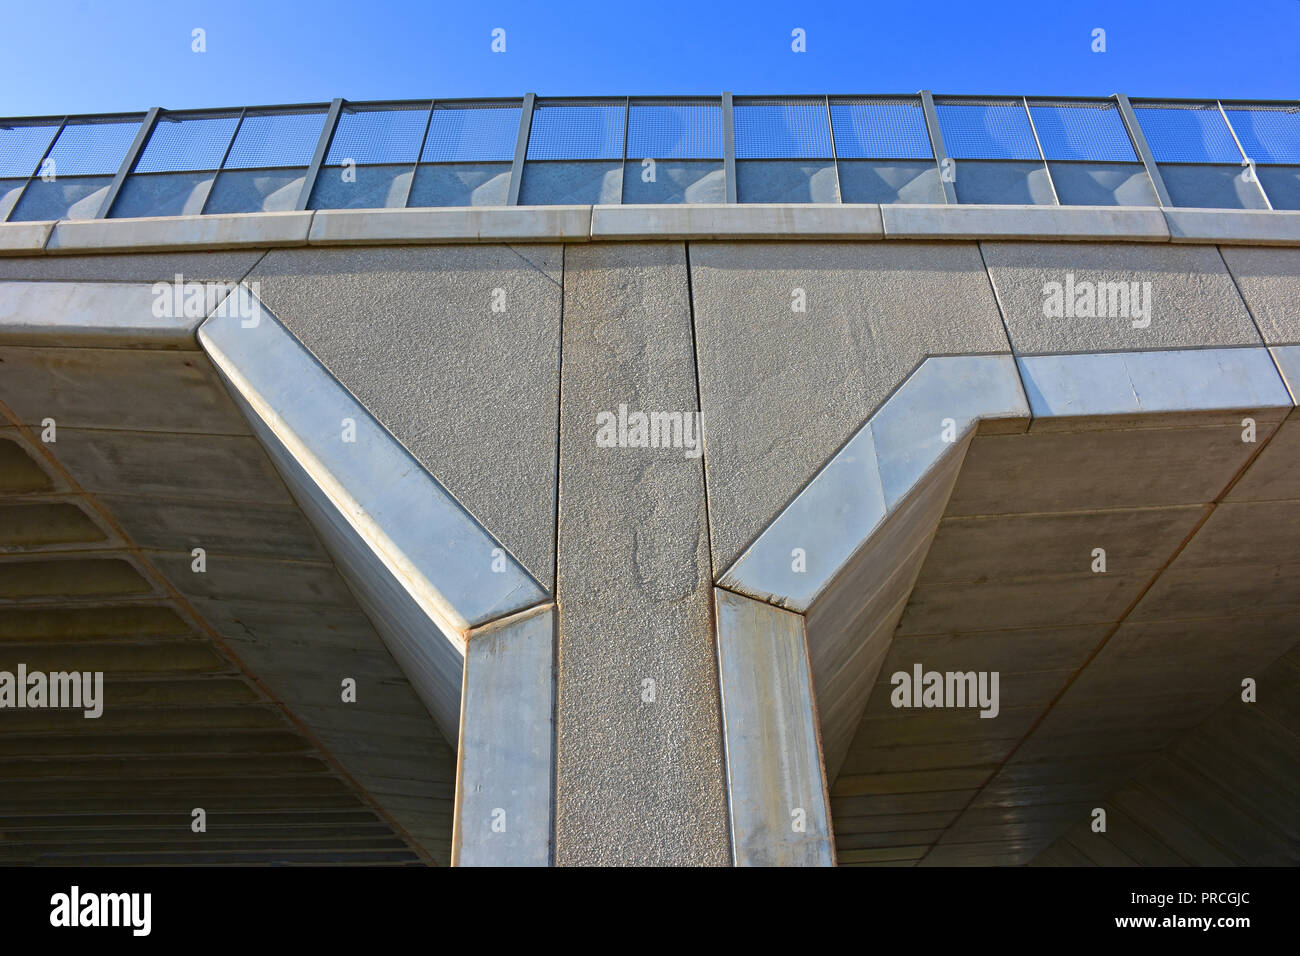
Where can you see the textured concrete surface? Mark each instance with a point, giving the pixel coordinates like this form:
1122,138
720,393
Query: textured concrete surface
1269,280
783,390
1192,297
636,782
470,392
1110,223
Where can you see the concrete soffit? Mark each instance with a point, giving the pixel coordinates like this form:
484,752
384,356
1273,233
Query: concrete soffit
844,554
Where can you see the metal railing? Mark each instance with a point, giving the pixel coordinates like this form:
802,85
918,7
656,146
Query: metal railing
531,150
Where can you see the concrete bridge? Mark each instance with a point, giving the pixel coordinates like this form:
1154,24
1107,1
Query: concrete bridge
965,533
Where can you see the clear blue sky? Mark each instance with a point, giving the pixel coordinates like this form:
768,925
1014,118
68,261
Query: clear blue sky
82,56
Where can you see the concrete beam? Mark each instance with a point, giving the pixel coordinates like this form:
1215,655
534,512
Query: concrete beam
94,315
776,789
504,810
360,489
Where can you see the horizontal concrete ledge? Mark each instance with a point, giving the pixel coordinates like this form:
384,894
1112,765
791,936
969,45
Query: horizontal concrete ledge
1128,387
1256,227
97,315
1112,223
258,229
452,224
687,221
750,221
24,238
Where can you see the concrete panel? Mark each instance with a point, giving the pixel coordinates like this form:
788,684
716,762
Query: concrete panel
637,782
471,393
158,465
133,267
1088,471
24,238
972,549
254,580
1269,281
1099,223
219,527
1245,533
1234,226
776,789
1192,300
1273,474
105,315
139,390
506,754
1057,648
751,221
783,390
210,231
485,224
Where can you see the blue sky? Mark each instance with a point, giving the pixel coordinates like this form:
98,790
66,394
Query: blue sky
83,56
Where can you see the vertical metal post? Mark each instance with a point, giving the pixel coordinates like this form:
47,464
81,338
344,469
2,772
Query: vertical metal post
322,147
1245,160
521,148
936,145
627,116
1034,129
835,155
216,173
415,167
128,162
32,175
729,146
1143,150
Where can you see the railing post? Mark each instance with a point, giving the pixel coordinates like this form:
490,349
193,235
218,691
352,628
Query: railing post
1024,100
1143,150
128,162
521,148
322,147
936,145
729,146
1245,160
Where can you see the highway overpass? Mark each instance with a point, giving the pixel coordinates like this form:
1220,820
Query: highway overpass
904,480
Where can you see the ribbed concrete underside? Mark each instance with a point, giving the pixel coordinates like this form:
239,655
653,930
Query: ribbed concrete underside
223,687
1102,673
